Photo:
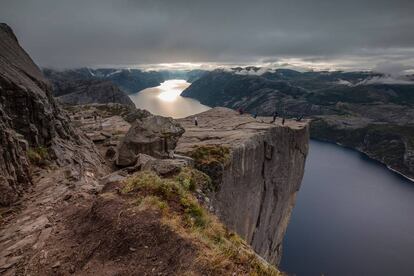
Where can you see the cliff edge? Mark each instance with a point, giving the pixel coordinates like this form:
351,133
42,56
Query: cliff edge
256,167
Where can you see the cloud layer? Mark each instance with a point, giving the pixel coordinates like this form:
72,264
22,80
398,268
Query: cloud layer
324,33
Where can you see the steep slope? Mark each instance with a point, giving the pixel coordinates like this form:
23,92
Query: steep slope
256,169
31,122
144,224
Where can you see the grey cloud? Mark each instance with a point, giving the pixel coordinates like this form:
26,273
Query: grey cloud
95,32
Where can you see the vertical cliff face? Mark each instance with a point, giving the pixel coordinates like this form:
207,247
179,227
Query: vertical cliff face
30,119
259,179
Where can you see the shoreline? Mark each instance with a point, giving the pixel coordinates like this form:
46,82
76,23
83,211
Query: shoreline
367,155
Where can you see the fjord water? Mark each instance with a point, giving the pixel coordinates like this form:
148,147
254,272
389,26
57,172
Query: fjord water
352,217
165,100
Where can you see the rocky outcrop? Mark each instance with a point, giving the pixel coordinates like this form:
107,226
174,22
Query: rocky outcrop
92,91
30,120
260,173
153,135
14,164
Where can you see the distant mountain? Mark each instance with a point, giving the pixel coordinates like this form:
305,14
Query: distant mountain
316,93
92,91
128,80
188,75
368,111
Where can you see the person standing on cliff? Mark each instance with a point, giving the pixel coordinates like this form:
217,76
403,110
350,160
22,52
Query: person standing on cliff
195,121
274,117
283,121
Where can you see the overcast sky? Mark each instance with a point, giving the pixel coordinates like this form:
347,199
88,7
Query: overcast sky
358,34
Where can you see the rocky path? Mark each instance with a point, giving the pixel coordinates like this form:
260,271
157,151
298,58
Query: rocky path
30,223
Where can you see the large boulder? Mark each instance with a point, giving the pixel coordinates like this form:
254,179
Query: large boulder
154,135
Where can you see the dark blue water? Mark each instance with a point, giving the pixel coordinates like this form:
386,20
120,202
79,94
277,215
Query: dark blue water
352,217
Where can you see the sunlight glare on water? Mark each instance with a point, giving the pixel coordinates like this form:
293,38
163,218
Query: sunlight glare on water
170,91
166,100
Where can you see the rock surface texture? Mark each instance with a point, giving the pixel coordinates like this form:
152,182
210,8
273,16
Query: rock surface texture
40,152
153,135
31,119
261,177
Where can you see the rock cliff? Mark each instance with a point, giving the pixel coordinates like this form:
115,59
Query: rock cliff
258,177
31,122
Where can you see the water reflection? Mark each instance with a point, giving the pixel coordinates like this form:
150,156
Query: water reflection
165,100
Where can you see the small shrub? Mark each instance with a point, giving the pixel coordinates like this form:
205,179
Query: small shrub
146,180
191,179
149,202
149,181
195,214
211,153
38,155
211,160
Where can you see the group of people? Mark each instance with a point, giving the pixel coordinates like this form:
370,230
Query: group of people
274,116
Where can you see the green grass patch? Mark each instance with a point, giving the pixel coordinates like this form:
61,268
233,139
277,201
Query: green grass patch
150,182
192,179
152,202
211,160
195,214
166,189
